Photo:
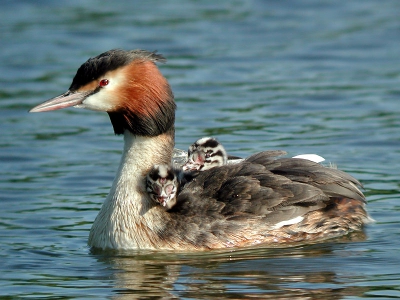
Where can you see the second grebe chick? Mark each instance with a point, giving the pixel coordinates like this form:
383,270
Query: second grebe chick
204,154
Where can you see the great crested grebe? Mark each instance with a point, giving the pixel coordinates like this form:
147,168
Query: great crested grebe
263,199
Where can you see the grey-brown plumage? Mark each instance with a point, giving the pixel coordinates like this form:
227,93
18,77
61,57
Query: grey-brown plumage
266,191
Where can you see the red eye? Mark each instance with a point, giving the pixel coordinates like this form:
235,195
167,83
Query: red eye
103,82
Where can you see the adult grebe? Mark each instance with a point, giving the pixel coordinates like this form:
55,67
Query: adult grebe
263,199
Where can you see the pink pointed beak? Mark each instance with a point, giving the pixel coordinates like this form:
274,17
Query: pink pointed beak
195,162
191,166
162,200
65,100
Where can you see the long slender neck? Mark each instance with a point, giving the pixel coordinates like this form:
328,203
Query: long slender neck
128,210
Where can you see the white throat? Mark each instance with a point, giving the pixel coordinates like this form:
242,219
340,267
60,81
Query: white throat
128,209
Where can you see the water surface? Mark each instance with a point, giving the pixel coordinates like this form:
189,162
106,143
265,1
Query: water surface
307,77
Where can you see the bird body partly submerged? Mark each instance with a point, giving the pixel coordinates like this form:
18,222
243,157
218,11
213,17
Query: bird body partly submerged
263,199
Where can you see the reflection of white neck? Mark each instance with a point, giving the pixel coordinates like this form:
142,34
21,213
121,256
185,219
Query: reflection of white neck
127,209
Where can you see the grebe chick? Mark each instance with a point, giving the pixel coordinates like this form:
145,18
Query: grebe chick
162,185
163,181
204,154
263,199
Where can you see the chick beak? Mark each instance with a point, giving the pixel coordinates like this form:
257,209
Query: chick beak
196,162
65,100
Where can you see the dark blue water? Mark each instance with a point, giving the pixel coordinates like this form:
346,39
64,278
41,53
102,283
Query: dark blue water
304,76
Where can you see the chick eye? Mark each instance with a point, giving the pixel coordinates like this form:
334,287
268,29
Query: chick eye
103,82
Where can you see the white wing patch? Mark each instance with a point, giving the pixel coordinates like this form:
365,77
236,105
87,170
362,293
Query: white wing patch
313,157
289,222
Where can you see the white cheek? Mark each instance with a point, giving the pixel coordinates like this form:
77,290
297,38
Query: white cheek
106,98
100,101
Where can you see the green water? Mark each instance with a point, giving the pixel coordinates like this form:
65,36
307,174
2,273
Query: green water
306,77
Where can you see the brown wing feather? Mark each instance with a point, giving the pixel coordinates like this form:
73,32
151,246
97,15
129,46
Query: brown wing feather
331,181
260,191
